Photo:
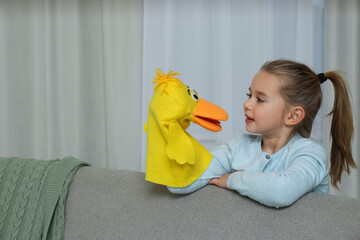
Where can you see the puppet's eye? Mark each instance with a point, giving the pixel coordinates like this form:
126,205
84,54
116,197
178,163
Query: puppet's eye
194,96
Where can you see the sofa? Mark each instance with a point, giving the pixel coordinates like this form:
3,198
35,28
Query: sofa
116,204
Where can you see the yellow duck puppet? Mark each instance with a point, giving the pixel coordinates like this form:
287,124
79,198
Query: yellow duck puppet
174,158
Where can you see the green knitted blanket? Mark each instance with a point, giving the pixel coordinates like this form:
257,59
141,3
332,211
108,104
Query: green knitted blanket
33,196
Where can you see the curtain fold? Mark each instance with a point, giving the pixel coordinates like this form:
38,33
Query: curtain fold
71,80
342,51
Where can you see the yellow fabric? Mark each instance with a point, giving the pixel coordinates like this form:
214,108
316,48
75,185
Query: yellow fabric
179,147
174,158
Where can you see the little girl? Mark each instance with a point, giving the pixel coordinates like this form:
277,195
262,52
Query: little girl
281,163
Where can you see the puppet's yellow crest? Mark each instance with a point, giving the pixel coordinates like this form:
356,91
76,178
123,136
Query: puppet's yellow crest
162,78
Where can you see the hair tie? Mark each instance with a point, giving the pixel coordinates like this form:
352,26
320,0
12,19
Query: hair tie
322,77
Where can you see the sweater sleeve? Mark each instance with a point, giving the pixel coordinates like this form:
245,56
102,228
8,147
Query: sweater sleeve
280,189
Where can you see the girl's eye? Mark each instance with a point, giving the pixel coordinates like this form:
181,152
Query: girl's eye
260,100
257,98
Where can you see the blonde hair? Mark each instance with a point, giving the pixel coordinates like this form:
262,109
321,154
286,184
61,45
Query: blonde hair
300,86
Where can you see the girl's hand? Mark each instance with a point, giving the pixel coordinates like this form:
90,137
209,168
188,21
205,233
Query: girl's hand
221,181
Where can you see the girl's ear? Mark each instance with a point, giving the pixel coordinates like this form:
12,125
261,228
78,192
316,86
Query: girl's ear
295,116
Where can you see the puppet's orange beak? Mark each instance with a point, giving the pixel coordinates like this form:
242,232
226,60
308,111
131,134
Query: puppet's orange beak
209,115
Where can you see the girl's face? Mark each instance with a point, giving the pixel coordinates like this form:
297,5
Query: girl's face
265,110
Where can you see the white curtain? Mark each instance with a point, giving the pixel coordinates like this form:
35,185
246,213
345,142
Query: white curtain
70,80
76,76
342,52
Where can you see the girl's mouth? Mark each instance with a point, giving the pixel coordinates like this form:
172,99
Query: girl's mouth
249,119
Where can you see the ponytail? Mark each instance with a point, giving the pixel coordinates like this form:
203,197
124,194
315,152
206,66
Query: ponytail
342,130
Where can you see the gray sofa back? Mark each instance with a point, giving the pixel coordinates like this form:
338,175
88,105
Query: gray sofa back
116,204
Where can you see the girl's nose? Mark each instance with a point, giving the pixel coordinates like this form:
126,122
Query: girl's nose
247,105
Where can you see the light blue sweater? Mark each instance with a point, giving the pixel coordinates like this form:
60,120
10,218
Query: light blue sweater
276,180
